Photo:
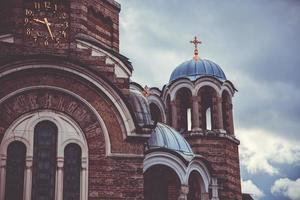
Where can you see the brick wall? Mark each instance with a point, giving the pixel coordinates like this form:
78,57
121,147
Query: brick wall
222,154
109,177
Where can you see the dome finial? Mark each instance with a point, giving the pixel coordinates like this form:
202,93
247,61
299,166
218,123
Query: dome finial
196,42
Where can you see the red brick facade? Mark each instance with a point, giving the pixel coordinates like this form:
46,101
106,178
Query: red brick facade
86,79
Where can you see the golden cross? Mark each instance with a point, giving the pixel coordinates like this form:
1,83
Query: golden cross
196,42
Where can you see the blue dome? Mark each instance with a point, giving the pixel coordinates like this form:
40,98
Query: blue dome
164,136
194,69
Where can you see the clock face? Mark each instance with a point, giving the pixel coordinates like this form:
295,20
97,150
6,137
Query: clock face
46,23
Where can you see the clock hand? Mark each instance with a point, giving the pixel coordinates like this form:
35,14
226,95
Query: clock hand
48,27
40,21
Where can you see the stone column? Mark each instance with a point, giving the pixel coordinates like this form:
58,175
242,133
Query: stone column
174,114
217,114
60,178
195,114
184,190
214,189
28,178
83,181
230,118
2,176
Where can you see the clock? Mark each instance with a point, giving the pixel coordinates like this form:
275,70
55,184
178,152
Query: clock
46,23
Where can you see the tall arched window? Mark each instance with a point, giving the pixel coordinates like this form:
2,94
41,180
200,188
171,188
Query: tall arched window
72,168
155,112
169,111
183,98
15,167
227,112
44,161
208,111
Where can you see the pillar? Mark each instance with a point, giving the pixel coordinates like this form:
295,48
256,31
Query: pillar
217,114
184,190
83,181
28,178
195,114
60,178
174,114
214,189
2,177
230,118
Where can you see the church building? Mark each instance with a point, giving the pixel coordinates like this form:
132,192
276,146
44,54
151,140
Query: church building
73,126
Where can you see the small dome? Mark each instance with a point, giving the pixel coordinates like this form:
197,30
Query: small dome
164,136
140,108
194,69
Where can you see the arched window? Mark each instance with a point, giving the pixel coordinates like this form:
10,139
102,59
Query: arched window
183,100
155,113
169,111
72,168
44,161
194,186
227,112
161,183
44,157
15,167
207,95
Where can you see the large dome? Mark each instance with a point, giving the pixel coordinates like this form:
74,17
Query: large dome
194,69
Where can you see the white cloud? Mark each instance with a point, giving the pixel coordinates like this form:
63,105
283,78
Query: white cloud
287,188
260,150
250,188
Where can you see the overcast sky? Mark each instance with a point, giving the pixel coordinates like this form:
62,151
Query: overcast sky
257,44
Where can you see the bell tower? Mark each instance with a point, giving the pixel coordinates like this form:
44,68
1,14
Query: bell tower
198,102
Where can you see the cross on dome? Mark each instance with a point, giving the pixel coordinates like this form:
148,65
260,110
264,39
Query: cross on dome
196,42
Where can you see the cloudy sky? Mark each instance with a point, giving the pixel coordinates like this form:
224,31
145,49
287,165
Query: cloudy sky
257,44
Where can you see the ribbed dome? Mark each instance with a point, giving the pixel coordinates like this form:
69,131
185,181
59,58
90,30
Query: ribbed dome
194,69
164,136
140,108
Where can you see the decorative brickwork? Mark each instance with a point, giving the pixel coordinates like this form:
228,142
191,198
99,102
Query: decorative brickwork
222,154
87,80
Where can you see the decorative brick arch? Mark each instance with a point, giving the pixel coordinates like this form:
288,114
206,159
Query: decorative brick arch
41,76
49,99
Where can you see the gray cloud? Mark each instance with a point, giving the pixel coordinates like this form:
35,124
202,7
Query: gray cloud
256,43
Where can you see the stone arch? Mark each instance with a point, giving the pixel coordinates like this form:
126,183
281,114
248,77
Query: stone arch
166,171
43,77
179,85
167,159
200,168
212,82
158,106
79,71
52,113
